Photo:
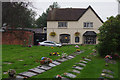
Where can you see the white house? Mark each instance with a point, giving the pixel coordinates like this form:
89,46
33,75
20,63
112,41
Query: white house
73,25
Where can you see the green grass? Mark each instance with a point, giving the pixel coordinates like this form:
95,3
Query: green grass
12,53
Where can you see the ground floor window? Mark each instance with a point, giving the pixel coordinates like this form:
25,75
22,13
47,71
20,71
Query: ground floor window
64,38
77,39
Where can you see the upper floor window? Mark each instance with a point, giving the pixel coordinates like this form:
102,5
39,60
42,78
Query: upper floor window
62,24
88,24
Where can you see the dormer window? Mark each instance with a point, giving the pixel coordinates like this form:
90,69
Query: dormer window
62,24
88,24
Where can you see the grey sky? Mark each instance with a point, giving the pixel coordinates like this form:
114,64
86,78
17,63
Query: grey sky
104,8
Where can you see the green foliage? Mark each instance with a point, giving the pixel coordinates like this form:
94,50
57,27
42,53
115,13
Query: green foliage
109,36
42,20
17,14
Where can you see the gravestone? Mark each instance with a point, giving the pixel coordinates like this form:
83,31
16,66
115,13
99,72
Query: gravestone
56,63
107,71
76,71
83,61
63,78
77,67
44,67
36,70
71,56
61,60
87,59
68,57
70,75
109,76
27,74
52,65
19,77
82,64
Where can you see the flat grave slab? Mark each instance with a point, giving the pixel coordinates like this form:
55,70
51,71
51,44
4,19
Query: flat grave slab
19,77
36,70
106,75
52,65
68,57
44,67
83,61
82,64
27,74
61,60
56,63
70,75
87,59
76,71
71,56
77,67
63,78
107,71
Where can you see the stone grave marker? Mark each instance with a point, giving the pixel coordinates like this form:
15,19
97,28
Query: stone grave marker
19,77
36,70
76,71
77,67
71,56
61,60
107,71
68,57
82,64
109,76
83,61
44,67
63,78
56,63
70,75
87,59
27,74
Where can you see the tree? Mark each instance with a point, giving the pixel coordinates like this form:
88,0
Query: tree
42,20
109,37
17,14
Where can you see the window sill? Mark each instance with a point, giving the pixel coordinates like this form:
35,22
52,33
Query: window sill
87,27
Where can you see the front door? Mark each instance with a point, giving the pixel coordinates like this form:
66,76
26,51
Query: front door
89,40
64,38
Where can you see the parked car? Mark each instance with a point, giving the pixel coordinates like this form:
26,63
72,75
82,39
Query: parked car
49,43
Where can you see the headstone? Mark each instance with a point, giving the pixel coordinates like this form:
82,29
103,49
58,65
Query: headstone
87,59
77,67
44,67
109,76
68,57
61,60
56,63
76,71
70,75
36,70
52,65
82,64
27,74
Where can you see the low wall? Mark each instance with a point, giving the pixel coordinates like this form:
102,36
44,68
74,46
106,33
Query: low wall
17,37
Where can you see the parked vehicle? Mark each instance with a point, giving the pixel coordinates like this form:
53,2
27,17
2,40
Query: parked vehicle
49,43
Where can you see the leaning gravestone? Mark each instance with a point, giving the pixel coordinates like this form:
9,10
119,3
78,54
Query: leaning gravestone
19,77
70,75
27,74
71,56
36,70
56,63
83,61
44,67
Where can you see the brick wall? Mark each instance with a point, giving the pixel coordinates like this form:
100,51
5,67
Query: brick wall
17,37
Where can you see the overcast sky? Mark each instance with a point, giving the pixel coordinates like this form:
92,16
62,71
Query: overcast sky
104,8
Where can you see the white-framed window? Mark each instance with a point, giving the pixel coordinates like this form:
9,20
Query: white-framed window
62,24
88,24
